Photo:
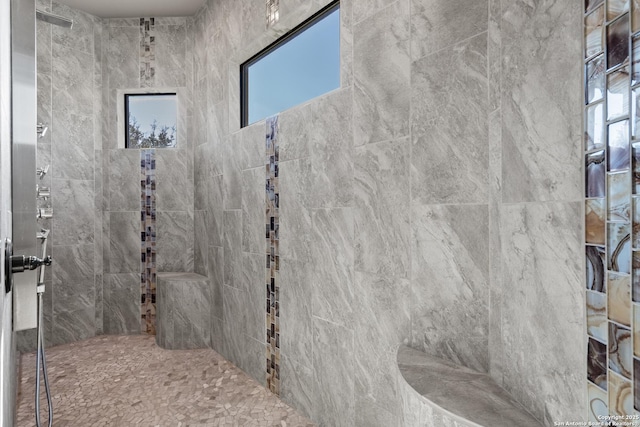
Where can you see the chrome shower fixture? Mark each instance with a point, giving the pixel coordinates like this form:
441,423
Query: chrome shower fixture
43,192
42,129
50,18
41,172
44,213
43,234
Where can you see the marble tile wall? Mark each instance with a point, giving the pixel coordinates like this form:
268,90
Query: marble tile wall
611,206
95,186
69,86
440,186
433,199
540,194
144,53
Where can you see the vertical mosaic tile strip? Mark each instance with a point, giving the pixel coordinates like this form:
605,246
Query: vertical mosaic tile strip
147,52
272,221
148,241
612,206
273,12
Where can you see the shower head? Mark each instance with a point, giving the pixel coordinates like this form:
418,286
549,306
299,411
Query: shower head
50,18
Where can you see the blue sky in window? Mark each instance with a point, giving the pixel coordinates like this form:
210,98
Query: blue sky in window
305,67
147,108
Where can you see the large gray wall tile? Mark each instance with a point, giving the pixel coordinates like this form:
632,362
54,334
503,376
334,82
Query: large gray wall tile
296,293
214,211
233,248
80,36
252,146
234,321
174,241
542,126
253,269
73,264
201,243
216,280
170,55
174,187
124,180
333,364
383,314
543,308
72,81
99,303
253,216
367,414
123,56
73,208
122,310
439,24
295,215
332,274
450,274
232,170
296,385
449,153
124,242
382,90
72,146
381,208
254,361
70,326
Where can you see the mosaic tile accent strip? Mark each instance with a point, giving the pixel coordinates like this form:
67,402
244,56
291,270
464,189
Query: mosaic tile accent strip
147,52
148,275
272,217
612,213
273,12
598,406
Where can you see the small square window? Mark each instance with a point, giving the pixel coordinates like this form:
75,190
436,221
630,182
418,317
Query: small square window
151,120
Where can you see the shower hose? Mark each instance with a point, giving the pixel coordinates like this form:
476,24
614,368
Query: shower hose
41,360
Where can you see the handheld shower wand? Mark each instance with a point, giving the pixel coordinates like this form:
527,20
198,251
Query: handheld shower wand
40,357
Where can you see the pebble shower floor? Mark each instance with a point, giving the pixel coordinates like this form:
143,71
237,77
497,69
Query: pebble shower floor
127,381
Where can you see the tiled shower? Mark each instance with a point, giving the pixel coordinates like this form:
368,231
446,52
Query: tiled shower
434,199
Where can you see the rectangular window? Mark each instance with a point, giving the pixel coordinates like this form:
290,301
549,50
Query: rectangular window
301,65
151,120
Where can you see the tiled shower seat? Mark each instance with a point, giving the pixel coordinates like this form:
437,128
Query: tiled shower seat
438,393
183,306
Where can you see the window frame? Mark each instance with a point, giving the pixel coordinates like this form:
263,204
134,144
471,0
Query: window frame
244,67
123,96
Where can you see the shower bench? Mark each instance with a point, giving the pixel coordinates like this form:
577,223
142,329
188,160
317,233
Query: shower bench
183,305
439,393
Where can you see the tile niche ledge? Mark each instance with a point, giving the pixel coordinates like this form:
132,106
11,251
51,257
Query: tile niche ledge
436,392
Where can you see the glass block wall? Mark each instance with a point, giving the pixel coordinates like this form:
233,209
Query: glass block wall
612,206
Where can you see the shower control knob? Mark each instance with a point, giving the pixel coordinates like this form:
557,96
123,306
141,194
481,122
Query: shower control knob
21,263
45,213
43,192
41,172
